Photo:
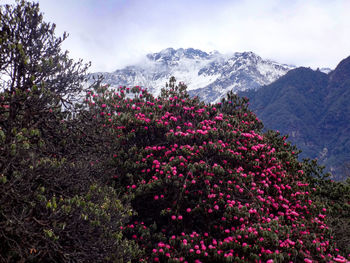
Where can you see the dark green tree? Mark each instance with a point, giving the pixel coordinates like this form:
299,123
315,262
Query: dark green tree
36,77
53,207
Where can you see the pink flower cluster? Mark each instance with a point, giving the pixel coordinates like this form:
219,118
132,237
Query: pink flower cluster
208,185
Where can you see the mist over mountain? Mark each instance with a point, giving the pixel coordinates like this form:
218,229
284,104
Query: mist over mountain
314,109
207,75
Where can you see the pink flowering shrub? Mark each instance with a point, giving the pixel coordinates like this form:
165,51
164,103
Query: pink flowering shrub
207,185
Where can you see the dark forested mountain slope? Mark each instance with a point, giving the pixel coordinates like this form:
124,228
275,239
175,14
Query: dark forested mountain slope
313,108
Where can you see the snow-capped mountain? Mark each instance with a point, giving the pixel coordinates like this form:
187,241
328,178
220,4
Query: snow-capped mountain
207,75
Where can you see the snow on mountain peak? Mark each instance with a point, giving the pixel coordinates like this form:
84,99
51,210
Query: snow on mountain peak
207,75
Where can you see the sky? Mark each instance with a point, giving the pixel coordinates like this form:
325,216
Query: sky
115,33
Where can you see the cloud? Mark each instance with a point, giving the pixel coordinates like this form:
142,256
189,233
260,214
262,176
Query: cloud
115,33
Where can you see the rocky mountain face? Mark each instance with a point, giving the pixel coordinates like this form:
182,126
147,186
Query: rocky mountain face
242,71
314,109
207,75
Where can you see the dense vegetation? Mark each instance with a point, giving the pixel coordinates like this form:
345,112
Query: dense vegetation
312,107
122,176
54,205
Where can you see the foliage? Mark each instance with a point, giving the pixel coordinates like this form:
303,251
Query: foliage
53,206
335,196
124,176
206,184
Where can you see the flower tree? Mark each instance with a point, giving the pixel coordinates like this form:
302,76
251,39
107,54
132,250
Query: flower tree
207,185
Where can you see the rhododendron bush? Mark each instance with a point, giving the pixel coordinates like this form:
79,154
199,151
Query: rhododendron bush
206,183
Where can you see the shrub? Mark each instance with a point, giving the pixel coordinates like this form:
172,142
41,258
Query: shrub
206,184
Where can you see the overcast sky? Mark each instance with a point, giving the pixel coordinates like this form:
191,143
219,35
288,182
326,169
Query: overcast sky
115,33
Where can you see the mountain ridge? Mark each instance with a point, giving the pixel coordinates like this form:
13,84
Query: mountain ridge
208,75
312,107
